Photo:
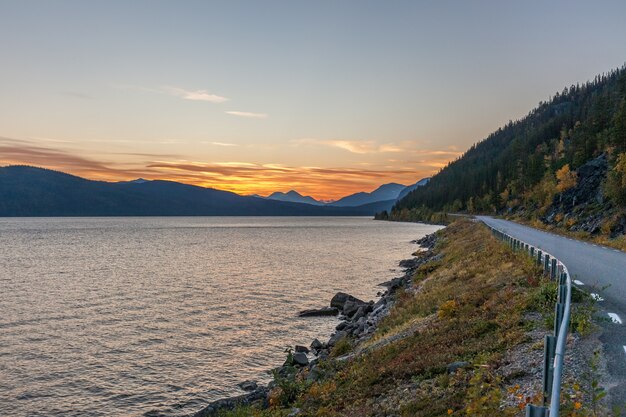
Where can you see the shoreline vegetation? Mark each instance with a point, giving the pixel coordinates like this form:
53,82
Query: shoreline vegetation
459,333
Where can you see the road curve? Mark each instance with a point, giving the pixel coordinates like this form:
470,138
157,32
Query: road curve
597,270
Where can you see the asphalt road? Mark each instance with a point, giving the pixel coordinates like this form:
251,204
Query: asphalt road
597,270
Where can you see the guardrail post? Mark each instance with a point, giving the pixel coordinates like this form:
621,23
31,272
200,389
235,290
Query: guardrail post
562,293
538,257
532,251
546,263
558,317
536,411
549,350
553,269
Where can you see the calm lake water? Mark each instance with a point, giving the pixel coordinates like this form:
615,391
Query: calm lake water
158,316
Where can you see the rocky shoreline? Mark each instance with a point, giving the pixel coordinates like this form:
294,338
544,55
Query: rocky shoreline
359,319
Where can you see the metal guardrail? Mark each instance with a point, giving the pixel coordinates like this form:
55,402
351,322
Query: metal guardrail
554,349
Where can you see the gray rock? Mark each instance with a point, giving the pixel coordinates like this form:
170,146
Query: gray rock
360,313
314,374
337,337
300,358
302,349
339,300
341,325
455,366
316,344
316,312
248,385
351,307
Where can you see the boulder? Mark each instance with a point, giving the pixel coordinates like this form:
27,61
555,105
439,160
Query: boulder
341,325
300,358
351,307
302,349
325,311
340,299
316,345
314,374
411,263
248,385
337,337
360,313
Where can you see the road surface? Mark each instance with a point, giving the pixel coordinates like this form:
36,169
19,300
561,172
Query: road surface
598,270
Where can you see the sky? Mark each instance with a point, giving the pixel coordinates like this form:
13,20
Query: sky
325,97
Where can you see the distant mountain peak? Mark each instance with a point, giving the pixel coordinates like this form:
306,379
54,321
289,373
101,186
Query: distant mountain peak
385,192
294,197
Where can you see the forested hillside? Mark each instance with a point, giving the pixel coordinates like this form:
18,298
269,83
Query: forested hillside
562,163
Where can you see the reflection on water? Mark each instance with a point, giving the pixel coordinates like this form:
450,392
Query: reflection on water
128,316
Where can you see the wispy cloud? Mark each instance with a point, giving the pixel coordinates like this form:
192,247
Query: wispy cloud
25,152
372,147
220,144
247,114
196,95
354,146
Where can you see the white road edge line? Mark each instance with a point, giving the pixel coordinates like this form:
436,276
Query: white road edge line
596,297
615,318
578,282
624,349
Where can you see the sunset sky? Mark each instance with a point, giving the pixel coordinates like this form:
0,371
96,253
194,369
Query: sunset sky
325,97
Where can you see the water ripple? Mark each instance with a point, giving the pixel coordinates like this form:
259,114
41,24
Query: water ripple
158,316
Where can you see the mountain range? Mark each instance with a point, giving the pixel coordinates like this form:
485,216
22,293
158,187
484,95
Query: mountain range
31,191
385,193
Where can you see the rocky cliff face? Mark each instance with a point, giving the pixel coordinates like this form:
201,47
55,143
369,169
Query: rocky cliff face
584,207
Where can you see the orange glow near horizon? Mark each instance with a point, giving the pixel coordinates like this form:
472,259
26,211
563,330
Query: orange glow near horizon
322,187
244,178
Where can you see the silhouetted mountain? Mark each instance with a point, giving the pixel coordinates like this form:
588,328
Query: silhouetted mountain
383,193
410,188
29,191
294,197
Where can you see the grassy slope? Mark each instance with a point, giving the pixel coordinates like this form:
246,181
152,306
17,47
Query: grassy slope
473,305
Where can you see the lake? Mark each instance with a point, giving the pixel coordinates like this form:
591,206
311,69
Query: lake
159,316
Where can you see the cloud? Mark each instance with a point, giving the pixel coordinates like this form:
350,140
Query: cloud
372,147
237,176
196,95
220,144
248,114
354,146
24,152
